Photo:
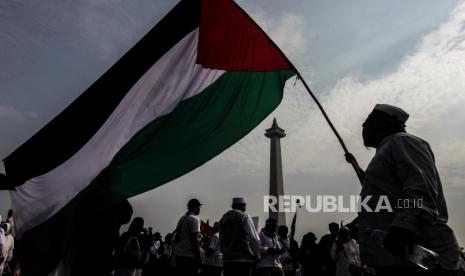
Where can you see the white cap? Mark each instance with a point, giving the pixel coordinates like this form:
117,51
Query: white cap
400,115
238,200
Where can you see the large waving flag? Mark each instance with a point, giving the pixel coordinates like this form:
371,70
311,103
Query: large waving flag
199,81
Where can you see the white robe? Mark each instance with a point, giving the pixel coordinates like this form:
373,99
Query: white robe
349,255
403,170
7,249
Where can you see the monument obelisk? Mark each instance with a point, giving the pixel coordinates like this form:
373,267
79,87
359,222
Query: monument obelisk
275,133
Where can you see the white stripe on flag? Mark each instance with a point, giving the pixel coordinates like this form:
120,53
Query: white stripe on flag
175,77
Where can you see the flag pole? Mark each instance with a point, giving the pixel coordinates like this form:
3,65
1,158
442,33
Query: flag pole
352,161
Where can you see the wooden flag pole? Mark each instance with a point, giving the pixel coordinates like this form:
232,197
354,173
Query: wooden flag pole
353,162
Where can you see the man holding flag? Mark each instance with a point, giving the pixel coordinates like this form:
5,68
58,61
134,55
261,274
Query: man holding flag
201,79
403,170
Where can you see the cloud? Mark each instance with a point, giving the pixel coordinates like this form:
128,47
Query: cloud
287,30
10,113
429,84
450,155
288,33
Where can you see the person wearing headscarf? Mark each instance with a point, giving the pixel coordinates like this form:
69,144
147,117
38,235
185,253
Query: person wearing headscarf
311,256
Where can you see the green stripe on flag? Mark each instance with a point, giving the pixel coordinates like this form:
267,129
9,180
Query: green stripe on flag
197,130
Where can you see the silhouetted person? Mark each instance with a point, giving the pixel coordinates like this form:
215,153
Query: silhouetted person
11,220
403,170
311,256
326,242
345,252
353,226
6,247
93,251
167,259
271,250
213,255
187,246
289,259
239,240
146,242
130,252
156,248
155,254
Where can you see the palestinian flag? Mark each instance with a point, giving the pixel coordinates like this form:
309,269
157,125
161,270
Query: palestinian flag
200,80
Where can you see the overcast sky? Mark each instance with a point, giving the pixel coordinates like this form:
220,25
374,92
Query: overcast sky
353,53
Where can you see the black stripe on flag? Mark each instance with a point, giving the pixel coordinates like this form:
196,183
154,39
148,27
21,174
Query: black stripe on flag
62,137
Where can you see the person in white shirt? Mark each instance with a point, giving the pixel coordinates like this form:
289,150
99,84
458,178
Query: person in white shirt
186,241
345,253
156,247
6,252
289,259
239,240
271,250
214,257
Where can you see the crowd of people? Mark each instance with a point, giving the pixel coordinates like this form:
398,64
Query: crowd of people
233,246
404,241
